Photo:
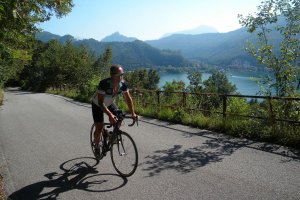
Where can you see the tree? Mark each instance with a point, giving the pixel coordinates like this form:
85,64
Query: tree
219,83
18,21
103,63
153,80
195,81
171,94
44,69
55,64
142,79
282,58
174,86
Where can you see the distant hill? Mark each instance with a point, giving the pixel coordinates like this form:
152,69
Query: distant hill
226,50
199,30
117,37
213,48
223,50
46,36
130,54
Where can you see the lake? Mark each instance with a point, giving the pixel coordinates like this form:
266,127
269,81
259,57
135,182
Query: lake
245,85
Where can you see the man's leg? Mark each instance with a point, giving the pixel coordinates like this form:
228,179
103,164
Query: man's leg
98,120
98,132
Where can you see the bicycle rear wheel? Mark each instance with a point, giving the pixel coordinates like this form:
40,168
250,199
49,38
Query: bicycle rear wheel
124,155
99,155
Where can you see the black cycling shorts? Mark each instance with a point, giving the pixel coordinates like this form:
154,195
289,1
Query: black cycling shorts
98,114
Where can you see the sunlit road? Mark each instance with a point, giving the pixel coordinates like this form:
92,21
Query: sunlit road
45,154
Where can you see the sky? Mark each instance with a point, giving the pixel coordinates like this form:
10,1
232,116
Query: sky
148,19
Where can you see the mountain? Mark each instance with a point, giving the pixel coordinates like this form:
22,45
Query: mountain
46,36
226,50
212,48
117,37
223,50
199,30
130,54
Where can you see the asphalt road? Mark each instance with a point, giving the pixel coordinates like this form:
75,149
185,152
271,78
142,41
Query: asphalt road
45,154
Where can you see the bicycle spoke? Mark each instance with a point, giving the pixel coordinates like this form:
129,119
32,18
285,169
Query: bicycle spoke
124,155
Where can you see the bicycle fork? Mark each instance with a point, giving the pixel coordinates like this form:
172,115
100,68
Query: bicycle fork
120,141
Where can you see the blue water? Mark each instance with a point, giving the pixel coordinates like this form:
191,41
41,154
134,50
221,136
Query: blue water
245,83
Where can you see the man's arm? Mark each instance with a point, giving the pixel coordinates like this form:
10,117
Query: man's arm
129,102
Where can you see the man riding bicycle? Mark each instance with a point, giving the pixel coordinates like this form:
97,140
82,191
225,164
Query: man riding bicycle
103,101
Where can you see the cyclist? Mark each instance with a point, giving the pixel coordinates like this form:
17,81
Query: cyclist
103,101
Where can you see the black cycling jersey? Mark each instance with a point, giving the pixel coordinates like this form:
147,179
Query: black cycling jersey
105,88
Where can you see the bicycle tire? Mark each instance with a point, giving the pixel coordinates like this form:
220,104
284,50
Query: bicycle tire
124,155
97,156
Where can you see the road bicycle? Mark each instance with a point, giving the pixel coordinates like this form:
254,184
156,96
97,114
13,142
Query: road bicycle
123,151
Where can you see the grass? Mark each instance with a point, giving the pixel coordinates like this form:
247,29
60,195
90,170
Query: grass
67,93
1,96
255,129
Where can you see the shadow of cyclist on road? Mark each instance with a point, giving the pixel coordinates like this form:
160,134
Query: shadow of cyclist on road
78,174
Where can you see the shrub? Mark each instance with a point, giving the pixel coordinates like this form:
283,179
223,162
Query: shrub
1,96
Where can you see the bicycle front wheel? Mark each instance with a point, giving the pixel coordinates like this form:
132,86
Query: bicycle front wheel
124,155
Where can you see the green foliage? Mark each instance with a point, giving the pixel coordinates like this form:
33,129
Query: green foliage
170,96
238,105
241,127
142,79
1,96
176,116
195,81
286,109
174,86
166,114
199,120
57,65
170,107
219,83
18,21
102,64
87,89
6,60
284,64
256,129
153,79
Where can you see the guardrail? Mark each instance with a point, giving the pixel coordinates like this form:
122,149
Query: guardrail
270,107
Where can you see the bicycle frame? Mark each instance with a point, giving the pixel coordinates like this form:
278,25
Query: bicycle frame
116,129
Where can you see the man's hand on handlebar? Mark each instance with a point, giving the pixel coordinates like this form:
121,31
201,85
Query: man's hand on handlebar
113,119
135,119
134,116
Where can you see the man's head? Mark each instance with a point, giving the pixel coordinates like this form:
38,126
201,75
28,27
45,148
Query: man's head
116,70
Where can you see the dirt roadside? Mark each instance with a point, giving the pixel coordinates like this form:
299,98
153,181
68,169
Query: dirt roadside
2,193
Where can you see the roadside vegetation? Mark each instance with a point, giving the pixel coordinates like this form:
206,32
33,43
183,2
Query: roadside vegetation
1,96
201,104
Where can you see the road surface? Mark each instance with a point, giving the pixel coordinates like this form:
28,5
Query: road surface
45,154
